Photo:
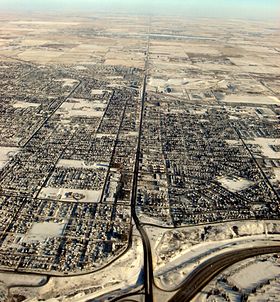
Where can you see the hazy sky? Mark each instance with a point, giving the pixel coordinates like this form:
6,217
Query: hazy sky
252,9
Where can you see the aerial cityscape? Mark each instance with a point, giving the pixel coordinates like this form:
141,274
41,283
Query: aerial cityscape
139,157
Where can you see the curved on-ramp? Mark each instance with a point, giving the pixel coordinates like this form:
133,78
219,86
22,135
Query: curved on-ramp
204,273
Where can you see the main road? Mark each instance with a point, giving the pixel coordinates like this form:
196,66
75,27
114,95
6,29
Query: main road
148,270
204,273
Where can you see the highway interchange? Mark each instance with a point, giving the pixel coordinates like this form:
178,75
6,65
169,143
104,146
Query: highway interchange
205,272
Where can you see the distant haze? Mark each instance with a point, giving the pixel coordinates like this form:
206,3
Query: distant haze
247,9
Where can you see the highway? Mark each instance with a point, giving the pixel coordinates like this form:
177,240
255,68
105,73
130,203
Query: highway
148,270
204,273
148,267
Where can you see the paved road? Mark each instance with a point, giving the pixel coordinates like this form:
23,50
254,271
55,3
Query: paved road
52,113
148,270
203,274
